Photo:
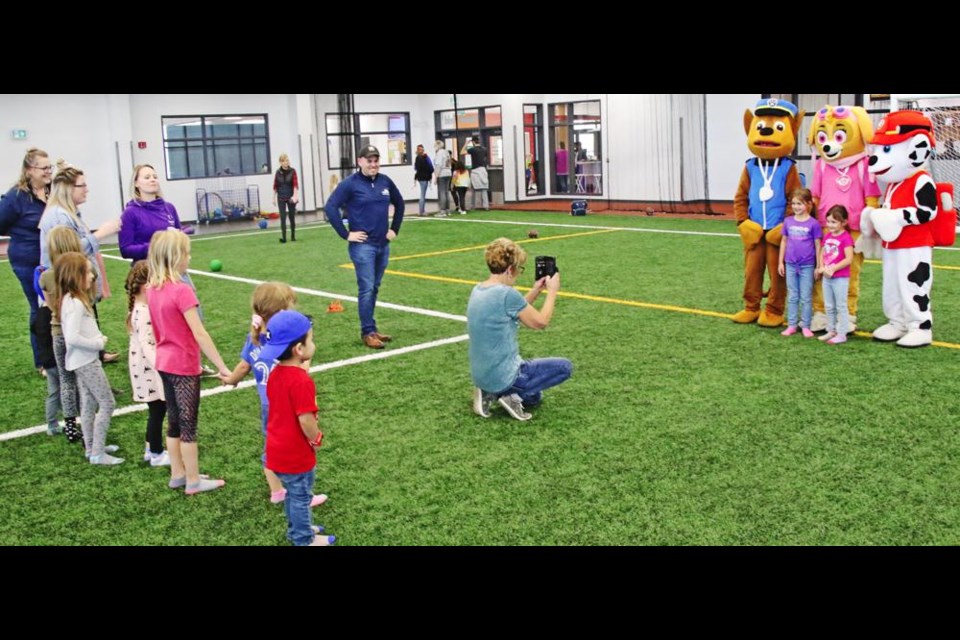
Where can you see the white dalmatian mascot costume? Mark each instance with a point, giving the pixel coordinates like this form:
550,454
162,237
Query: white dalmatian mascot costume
903,144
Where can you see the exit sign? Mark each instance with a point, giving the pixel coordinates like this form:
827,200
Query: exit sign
19,134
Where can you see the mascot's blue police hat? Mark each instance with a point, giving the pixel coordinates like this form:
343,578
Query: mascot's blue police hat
775,107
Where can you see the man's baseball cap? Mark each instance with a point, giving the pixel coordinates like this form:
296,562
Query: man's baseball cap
368,151
899,126
284,328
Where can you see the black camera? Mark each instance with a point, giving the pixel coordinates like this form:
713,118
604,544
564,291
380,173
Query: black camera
545,266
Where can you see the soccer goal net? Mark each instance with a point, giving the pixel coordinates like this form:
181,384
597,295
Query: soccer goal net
944,111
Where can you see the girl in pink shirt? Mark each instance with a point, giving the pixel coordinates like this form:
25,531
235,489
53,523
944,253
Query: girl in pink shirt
836,254
180,336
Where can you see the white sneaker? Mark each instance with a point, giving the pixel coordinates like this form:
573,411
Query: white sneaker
105,458
110,448
514,406
482,401
160,460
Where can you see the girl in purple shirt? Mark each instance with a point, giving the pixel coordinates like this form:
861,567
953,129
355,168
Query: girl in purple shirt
799,258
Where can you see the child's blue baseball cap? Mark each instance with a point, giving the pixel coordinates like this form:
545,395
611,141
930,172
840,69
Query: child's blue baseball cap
283,329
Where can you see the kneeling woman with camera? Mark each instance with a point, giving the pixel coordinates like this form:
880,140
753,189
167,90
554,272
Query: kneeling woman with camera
493,314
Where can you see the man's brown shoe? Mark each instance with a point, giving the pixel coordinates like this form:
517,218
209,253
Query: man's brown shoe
382,337
372,341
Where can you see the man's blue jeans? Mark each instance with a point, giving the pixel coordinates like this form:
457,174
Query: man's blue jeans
299,488
537,375
369,262
25,276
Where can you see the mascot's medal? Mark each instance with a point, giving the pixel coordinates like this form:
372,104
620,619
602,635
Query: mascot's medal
843,180
766,191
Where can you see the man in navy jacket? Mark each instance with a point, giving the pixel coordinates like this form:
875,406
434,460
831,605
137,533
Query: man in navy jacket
367,196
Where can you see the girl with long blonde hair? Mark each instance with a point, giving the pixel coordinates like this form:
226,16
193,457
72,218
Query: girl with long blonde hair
180,337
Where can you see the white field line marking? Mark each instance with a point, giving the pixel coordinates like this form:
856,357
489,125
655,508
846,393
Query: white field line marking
522,223
240,234
638,229
380,355
325,294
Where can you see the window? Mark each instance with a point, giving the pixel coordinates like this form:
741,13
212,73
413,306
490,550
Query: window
388,132
209,146
456,128
576,159
533,148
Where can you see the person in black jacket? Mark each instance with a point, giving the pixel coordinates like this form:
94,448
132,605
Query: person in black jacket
424,175
287,191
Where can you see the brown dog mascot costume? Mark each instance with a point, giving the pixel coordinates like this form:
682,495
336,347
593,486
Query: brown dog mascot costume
761,205
841,176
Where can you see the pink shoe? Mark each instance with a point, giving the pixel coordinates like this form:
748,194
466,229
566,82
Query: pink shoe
837,339
789,331
807,333
276,497
318,500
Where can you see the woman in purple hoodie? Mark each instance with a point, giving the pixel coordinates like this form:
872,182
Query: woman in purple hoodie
145,214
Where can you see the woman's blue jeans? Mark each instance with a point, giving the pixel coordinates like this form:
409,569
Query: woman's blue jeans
537,375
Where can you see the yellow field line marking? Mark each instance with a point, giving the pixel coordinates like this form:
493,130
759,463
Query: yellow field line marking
568,294
936,266
628,303
483,246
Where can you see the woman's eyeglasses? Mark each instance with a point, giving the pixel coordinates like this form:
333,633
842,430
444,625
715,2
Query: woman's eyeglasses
46,169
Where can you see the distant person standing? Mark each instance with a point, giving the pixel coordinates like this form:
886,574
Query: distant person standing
423,175
443,171
580,154
20,211
366,197
479,179
286,191
563,170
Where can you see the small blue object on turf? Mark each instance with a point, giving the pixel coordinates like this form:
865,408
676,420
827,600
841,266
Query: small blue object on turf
263,224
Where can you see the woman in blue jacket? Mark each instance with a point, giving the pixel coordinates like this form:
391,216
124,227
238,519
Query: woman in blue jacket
20,211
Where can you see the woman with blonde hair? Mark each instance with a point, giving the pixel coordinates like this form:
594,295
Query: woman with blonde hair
180,336
68,191
145,214
286,190
494,313
20,210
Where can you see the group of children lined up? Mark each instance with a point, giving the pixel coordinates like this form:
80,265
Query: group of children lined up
166,338
806,254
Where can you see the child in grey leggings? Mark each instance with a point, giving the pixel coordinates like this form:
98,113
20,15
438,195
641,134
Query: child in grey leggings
84,342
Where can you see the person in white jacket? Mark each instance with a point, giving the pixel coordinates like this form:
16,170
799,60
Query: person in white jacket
84,343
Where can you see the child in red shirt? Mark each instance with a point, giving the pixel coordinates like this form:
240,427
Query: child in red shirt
292,431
